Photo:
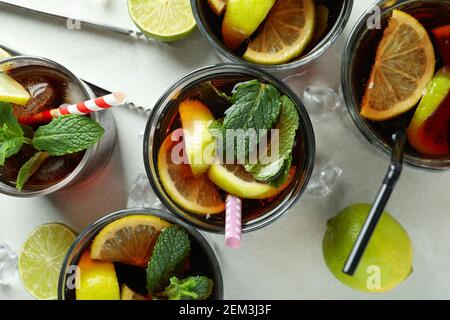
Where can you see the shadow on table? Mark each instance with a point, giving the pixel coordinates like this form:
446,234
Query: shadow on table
100,194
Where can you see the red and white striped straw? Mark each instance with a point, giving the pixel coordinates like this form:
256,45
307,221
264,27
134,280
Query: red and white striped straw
81,108
233,222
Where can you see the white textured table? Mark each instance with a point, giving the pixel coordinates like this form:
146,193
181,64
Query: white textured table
282,261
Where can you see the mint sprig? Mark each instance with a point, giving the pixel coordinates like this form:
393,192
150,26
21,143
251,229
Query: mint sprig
171,248
67,134
63,135
191,288
255,107
29,168
277,171
11,133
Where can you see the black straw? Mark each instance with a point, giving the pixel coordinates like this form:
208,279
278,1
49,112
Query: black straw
394,172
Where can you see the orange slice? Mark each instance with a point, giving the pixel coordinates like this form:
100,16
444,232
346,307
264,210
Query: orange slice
195,194
404,65
129,240
286,32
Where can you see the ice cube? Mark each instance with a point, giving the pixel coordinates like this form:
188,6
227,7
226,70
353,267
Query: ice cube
8,264
43,97
141,194
320,101
324,180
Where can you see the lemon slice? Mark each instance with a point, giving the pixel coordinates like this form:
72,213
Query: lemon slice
404,65
41,258
12,91
235,180
4,54
195,194
129,240
96,280
286,32
165,20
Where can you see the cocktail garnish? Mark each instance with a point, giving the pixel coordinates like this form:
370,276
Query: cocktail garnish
64,135
171,249
67,134
195,118
11,133
255,107
12,91
242,18
428,130
404,65
276,172
30,167
191,288
285,34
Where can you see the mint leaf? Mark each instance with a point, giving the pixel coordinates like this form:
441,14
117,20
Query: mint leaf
29,168
277,171
67,134
282,176
255,106
11,133
192,288
211,96
170,250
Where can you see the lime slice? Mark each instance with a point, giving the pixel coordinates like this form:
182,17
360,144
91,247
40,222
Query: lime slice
41,258
12,91
165,20
235,180
4,54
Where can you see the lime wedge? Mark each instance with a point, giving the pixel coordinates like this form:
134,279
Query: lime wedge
41,258
165,20
4,54
12,91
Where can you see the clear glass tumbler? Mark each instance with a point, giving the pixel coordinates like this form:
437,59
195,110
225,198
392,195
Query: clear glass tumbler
201,251
357,62
160,125
95,157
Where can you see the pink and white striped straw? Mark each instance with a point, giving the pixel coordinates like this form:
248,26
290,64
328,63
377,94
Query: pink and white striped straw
81,108
233,222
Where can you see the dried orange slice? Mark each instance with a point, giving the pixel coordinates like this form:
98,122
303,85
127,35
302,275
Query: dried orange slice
286,32
195,194
404,65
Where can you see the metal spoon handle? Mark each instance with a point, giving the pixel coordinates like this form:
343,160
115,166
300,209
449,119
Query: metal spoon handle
379,204
71,22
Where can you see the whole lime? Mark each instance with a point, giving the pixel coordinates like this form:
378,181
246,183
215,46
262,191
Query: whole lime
387,260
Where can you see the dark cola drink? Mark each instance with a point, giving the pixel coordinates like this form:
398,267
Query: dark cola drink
48,89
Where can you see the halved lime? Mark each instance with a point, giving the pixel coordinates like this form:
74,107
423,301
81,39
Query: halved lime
41,258
165,20
12,91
